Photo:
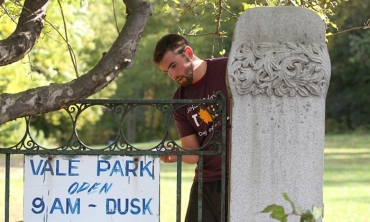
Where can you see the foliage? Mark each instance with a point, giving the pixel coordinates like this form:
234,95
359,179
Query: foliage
44,66
348,96
278,212
208,24
224,11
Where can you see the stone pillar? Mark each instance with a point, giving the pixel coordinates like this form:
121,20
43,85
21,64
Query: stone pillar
278,73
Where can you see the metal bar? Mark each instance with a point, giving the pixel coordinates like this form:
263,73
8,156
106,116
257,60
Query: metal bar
7,181
200,188
178,191
102,152
147,102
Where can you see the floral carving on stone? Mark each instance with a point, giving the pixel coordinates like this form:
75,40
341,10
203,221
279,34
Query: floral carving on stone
280,69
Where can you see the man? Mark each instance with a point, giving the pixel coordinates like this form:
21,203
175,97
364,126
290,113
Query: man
198,79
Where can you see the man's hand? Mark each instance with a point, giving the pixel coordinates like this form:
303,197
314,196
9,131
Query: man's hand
168,158
190,143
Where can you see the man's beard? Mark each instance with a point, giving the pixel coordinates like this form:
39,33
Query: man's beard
188,75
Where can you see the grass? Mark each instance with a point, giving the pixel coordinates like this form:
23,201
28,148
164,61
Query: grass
347,178
168,190
16,197
346,182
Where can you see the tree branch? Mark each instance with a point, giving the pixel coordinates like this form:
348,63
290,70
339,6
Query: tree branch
21,41
56,96
365,26
70,50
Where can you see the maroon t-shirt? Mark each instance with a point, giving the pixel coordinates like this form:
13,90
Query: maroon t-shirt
192,120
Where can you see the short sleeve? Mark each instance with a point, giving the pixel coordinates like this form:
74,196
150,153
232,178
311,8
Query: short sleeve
183,125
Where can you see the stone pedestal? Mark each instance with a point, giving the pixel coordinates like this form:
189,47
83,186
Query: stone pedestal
278,73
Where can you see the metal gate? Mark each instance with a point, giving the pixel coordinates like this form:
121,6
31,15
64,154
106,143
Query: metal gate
121,146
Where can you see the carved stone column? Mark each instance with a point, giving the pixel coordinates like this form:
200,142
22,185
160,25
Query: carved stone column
278,73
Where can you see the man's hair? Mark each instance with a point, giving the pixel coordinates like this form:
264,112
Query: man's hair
173,42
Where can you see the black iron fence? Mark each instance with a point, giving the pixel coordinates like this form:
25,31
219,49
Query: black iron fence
120,145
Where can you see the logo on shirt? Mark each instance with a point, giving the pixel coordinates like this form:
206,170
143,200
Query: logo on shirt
205,115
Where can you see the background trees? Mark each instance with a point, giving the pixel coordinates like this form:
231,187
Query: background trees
348,100
93,27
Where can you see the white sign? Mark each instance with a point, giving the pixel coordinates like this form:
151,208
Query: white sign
91,188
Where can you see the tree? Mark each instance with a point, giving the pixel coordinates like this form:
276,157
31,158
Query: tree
122,52
56,96
348,96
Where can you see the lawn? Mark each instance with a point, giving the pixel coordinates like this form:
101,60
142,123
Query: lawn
346,182
347,178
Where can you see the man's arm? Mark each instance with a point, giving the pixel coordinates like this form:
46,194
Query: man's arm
188,142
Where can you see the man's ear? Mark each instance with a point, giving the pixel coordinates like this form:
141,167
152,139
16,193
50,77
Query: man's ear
189,51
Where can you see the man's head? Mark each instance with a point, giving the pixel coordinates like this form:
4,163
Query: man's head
170,42
173,55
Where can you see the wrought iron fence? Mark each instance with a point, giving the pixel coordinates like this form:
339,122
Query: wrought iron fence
119,145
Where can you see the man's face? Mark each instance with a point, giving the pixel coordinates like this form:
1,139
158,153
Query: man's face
178,67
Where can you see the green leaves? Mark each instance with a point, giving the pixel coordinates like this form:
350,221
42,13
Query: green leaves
317,212
278,212
286,197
